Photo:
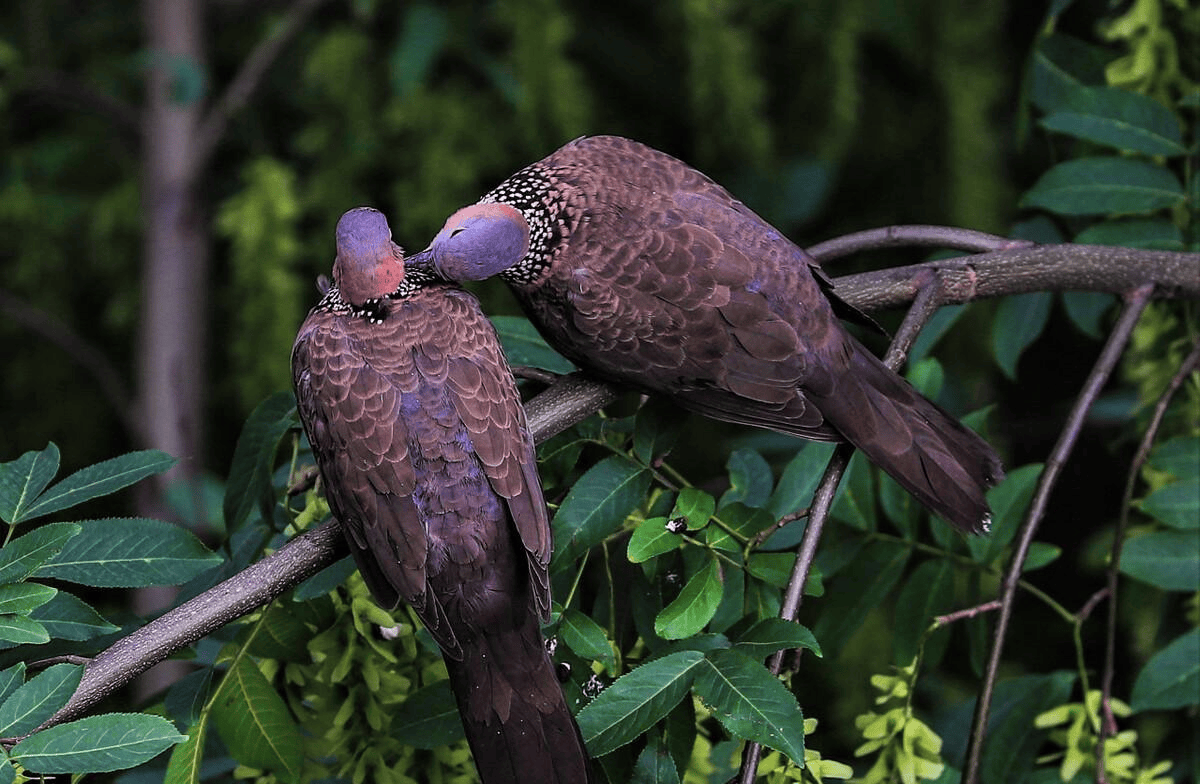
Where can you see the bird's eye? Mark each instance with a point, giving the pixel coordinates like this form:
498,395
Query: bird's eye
458,231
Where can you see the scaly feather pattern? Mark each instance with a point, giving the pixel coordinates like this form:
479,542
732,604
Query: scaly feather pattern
645,272
426,460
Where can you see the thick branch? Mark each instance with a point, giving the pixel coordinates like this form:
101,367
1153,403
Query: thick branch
1024,270
575,397
249,589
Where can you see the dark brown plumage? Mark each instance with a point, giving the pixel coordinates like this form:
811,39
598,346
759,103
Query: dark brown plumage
426,461
644,271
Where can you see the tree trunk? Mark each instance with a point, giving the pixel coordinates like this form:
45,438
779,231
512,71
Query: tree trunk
174,279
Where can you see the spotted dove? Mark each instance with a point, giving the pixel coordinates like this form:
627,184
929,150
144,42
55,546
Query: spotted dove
643,271
422,446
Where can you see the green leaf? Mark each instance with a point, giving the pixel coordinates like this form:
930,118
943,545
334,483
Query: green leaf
694,505
524,346
750,479
1061,67
253,459
22,556
130,552
254,723
1101,186
747,521
1008,501
1086,309
428,718
1013,738
865,583
586,638
21,630
1167,559
656,428
97,744
187,697
772,568
23,479
1040,554
1171,679
775,634
100,479
281,635
750,702
1119,118
10,680
1179,457
654,765
1141,233
636,701
939,325
798,480
695,605
187,757
1019,321
23,598
596,506
929,591
8,774
1176,504
651,539
38,699
66,617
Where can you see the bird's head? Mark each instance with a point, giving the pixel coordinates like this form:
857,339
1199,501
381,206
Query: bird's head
368,264
478,242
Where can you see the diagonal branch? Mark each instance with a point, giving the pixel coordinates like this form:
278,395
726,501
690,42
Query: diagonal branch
86,355
1190,365
923,307
247,80
1135,303
575,397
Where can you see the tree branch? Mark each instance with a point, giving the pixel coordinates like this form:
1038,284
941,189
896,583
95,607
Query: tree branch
249,589
923,307
1113,348
575,397
61,88
86,355
1190,365
238,93
913,236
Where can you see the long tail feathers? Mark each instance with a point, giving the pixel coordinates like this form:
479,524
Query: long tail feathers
945,466
517,721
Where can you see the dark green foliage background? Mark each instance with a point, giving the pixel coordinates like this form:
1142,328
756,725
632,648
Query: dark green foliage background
827,117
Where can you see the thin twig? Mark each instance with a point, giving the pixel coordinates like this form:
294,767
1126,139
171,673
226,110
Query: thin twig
66,89
534,374
966,613
1108,725
913,236
1135,304
923,307
86,355
247,80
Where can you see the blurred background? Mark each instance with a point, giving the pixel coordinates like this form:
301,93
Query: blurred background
171,174
169,181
